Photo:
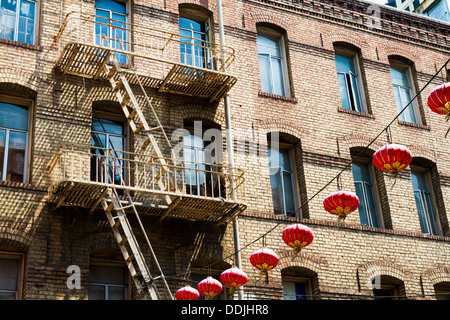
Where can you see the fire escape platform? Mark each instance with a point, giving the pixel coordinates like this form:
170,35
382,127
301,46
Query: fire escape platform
74,185
154,53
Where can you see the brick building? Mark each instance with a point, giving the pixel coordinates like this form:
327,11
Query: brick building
323,78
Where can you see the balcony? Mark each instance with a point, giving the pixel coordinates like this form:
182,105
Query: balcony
81,175
153,58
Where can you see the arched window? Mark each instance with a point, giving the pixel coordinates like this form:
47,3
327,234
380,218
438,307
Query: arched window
404,90
350,81
272,60
299,284
388,288
442,290
195,37
286,174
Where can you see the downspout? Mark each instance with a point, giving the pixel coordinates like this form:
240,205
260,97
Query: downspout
230,153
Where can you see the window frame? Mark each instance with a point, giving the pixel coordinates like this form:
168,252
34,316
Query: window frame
294,173
405,67
271,33
29,103
207,60
108,263
342,51
429,182
21,257
108,116
127,42
35,26
300,279
375,191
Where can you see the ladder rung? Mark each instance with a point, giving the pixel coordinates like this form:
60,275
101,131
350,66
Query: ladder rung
139,127
130,257
110,207
145,145
132,114
125,100
124,240
118,85
116,224
111,72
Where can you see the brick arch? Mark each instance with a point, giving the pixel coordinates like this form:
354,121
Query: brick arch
381,268
432,277
195,111
400,51
14,79
280,125
422,152
17,240
355,140
303,260
265,16
101,242
207,4
330,38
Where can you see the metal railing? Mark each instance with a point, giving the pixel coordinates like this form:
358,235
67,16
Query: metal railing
140,173
145,44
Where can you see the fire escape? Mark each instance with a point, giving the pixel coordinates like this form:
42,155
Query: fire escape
151,181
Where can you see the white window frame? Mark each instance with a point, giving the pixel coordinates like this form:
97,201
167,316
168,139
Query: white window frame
16,22
433,200
206,61
111,35
375,195
295,188
414,104
362,96
269,32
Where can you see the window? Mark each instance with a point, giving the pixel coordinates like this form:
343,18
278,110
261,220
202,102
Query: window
282,179
18,20
14,124
10,277
388,288
107,282
442,290
107,136
296,289
271,62
193,43
349,81
363,177
401,83
114,36
439,11
424,201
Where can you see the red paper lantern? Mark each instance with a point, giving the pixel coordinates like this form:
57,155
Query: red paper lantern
392,158
297,236
187,293
233,278
264,259
341,203
439,99
209,287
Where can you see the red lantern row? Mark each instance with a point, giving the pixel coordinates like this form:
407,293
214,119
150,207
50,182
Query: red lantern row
210,287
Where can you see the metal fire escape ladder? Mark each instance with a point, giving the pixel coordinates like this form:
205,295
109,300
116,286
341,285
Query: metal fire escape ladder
128,244
112,204
134,114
